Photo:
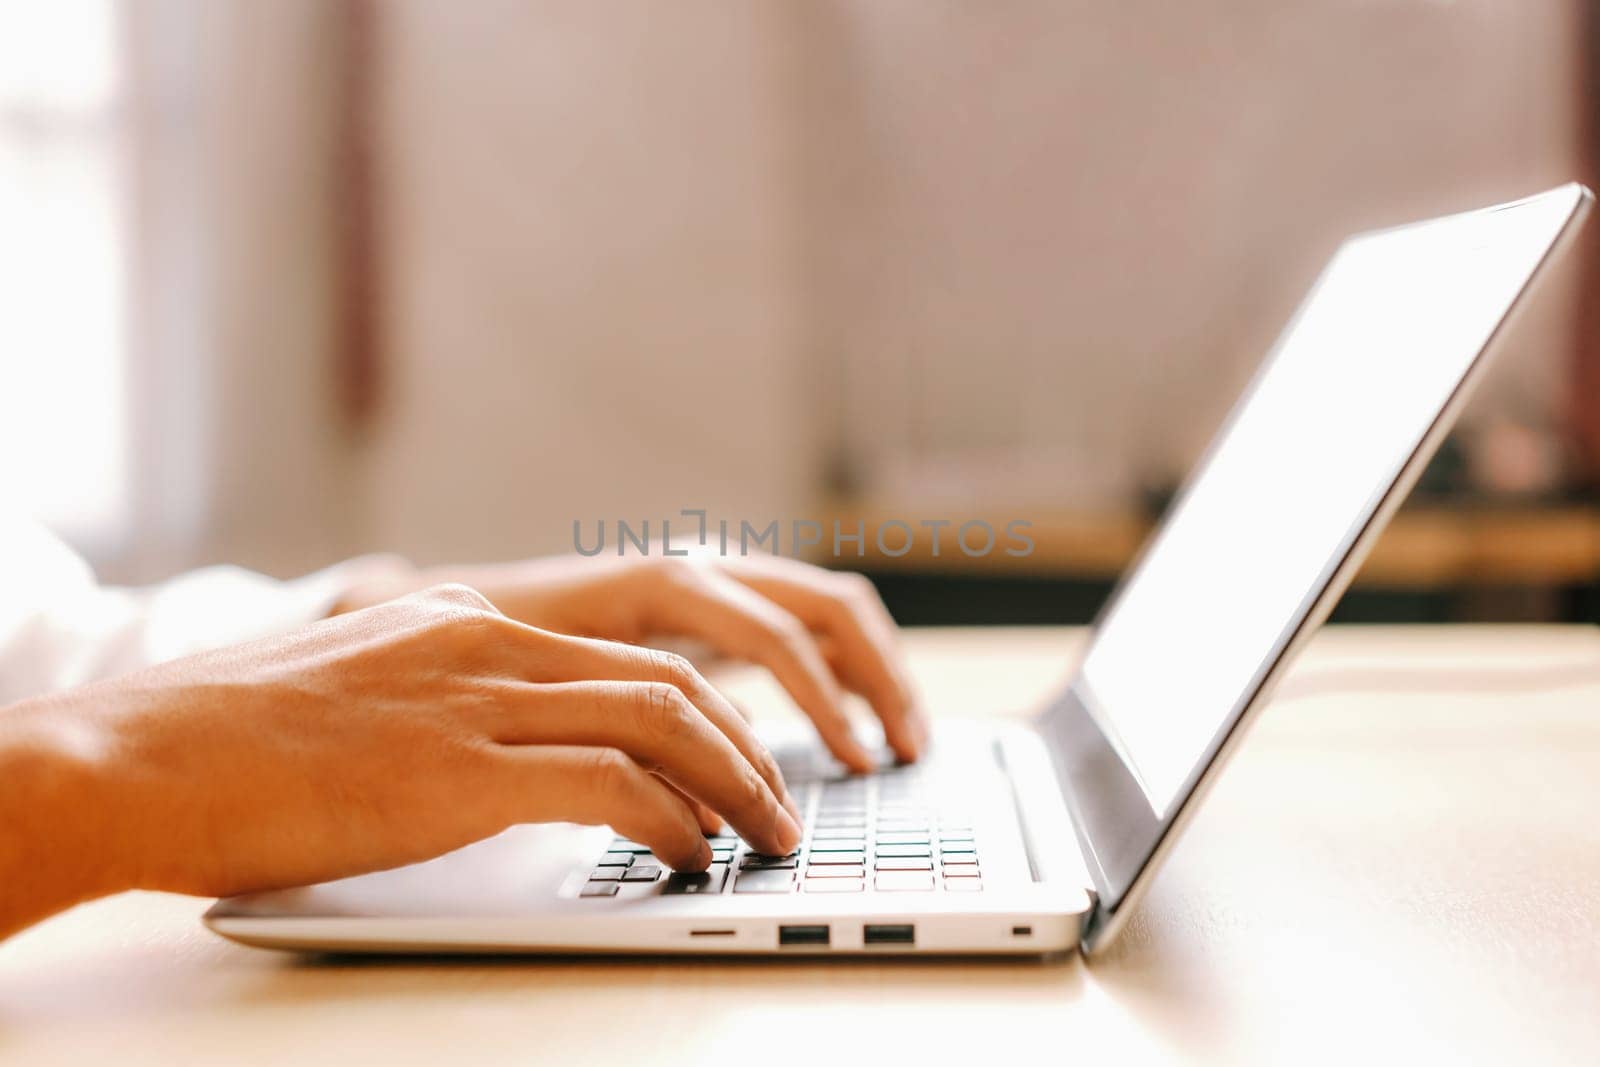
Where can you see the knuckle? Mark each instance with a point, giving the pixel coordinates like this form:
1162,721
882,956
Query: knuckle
673,572
752,789
855,585
790,635
767,767
858,596
455,594
469,628
457,611
610,772
668,713
673,669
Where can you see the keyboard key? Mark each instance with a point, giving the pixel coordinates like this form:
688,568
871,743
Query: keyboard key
605,874
599,889
616,859
722,855
903,839
947,834
644,872
963,885
834,885
766,863
904,850
854,871
952,847
902,881
897,863
960,859
828,858
902,828
853,834
690,883
764,881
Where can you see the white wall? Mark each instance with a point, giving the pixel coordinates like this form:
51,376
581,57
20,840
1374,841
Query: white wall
233,207
592,254
638,257
1061,235
1021,251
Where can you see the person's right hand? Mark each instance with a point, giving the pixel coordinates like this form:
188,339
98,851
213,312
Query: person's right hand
379,738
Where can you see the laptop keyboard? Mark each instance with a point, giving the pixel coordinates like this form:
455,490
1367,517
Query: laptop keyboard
895,831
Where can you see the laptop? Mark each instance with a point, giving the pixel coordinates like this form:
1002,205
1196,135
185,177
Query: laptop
1041,836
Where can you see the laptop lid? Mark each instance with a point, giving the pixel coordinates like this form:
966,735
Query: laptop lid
1273,522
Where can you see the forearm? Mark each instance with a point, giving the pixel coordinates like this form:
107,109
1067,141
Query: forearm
57,844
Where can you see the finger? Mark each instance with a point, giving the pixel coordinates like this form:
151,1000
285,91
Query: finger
915,722
581,659
740,622
711,823
601,786
662,731
848,610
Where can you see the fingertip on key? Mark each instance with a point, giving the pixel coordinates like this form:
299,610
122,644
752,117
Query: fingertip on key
788,831
921,728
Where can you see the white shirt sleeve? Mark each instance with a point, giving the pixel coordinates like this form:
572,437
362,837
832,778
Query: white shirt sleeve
59,627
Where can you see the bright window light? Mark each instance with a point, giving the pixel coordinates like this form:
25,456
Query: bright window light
62,348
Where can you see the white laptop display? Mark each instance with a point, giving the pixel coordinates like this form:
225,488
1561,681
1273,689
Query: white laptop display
1042,837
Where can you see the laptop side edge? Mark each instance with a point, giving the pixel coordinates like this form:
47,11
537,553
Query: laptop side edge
1100,791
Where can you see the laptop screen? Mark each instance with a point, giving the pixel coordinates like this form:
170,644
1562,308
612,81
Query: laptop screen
1358,379
1333,419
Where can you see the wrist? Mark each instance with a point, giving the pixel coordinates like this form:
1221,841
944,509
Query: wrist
58,846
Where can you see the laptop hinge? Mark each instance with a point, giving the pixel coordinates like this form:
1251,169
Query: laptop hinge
1052,845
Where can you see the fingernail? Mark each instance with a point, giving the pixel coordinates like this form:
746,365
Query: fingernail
704,858
788,830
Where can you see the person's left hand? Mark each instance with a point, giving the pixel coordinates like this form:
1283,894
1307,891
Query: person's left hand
819,632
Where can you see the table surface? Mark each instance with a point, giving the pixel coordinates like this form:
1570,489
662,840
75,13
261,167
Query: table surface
1404,860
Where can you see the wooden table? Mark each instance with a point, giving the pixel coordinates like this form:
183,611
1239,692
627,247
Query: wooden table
1404,862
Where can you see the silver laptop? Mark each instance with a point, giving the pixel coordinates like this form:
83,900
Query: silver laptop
1041,837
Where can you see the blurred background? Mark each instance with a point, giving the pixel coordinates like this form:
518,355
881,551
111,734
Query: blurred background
281,282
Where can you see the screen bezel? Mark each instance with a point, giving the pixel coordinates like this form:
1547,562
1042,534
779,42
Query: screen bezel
1122,839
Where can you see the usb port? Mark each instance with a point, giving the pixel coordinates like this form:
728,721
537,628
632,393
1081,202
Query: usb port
802,935
889,934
